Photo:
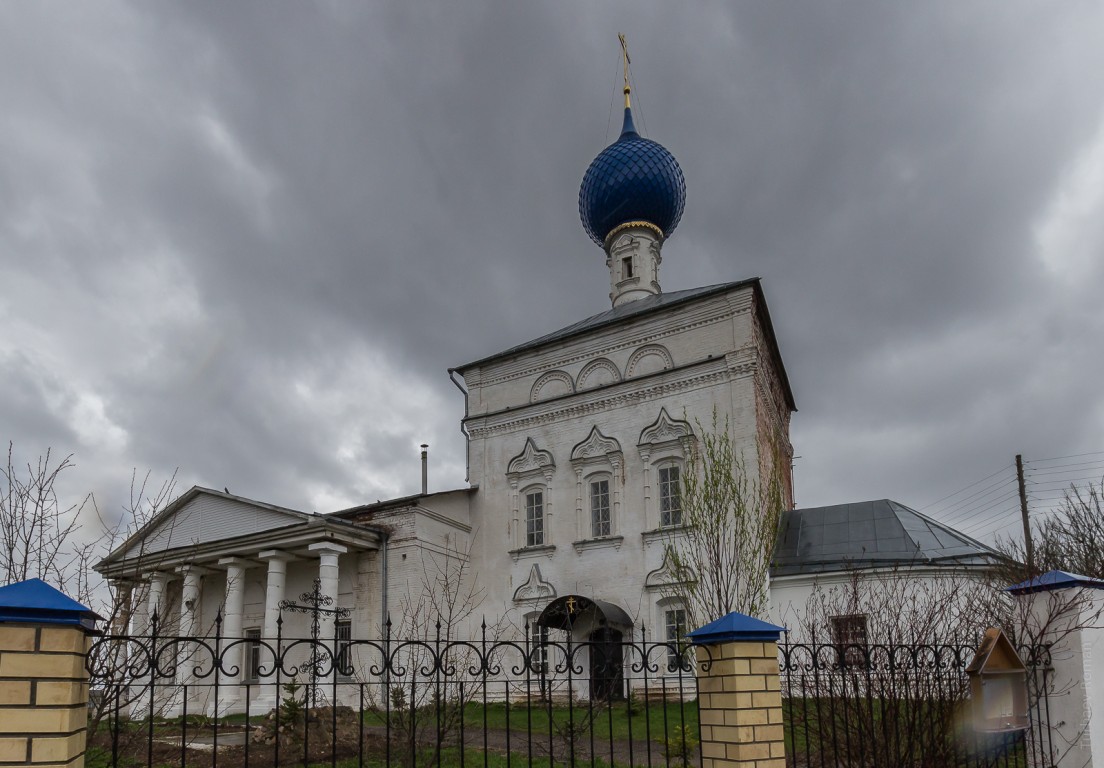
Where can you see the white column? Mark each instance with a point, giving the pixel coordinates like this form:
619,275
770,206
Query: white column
124,606
139,618
156,601
189,654
155,608
274,593
328,553
233,611
189,599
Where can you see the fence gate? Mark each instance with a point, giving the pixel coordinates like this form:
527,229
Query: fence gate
900,706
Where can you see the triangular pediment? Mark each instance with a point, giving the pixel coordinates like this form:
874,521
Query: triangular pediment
201,516
596,444
530,459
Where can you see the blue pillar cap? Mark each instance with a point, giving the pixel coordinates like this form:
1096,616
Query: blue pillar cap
35,601
736,627
1052,580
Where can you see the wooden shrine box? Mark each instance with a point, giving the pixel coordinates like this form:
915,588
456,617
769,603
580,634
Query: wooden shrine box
998,685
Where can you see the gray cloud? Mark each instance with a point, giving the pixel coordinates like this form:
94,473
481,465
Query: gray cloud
246,240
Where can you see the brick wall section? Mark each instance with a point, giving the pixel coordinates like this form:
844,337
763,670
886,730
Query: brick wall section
43,695
741,706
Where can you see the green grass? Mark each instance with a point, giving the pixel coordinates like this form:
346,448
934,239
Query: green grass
652,720
472,758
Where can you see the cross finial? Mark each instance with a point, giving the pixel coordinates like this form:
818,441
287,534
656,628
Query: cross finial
625,61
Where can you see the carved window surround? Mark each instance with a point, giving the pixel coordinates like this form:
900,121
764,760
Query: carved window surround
530,470
665,441
596,458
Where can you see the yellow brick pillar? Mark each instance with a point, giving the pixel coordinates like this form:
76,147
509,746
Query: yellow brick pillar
44,640
739,699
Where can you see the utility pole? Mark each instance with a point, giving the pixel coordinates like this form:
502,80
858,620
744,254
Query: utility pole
1029,545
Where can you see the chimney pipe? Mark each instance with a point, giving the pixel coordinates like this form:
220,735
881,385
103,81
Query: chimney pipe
425,469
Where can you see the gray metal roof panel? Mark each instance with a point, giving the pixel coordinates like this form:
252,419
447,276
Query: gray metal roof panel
869,534
616,314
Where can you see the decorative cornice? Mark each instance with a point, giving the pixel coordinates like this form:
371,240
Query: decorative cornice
613,233
601,543
665,535
570,408
544,549
530,459
510,371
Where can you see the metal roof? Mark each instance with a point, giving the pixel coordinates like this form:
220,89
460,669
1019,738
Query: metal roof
735,627
1052,580
870,534
36,601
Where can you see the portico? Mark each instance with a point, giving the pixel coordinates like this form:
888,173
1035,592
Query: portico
228,592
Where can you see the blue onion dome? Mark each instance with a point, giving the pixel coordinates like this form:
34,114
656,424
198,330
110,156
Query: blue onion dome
633,179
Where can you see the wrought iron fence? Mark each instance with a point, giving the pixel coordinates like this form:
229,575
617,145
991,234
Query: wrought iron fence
433,701
900,706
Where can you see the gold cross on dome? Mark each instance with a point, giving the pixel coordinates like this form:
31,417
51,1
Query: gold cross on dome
625,62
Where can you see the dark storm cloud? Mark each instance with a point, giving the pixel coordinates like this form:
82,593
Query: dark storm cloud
247,239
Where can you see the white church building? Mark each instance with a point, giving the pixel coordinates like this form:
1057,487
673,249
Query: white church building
576,442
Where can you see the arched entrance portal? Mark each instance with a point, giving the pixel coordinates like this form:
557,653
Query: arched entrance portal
597,626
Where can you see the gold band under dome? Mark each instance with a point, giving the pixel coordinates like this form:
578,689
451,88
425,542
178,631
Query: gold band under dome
631,225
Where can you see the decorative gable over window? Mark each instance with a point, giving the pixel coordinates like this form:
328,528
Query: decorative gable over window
664,431
531,459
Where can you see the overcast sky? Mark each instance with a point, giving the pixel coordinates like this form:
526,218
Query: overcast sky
246,240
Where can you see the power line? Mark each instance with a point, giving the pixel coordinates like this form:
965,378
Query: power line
968,487
1071,456
977,499
981,523
1058,471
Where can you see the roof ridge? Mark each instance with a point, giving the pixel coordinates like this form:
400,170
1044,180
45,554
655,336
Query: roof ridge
623,312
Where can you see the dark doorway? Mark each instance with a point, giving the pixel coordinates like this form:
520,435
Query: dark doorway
606,665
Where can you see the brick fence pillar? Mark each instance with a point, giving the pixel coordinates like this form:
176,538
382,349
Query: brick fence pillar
44,639
1066,611
739,698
